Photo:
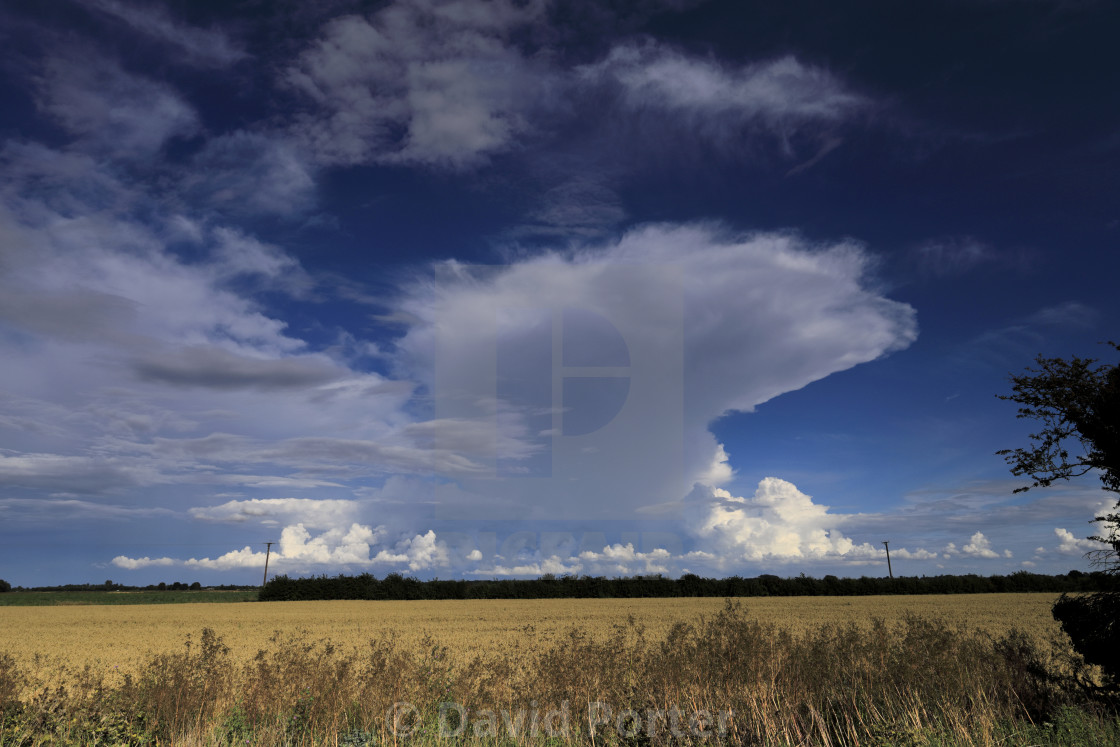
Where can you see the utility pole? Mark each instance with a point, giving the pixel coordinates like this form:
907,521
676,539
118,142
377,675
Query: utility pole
886,544
267,552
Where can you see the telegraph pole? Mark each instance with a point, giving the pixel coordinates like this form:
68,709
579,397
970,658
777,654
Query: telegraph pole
267,552
886,544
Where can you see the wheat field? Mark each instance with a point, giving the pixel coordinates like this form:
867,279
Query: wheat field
963,670
115,639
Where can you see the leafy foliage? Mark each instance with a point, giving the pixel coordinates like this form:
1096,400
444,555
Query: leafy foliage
1092,621
1077,401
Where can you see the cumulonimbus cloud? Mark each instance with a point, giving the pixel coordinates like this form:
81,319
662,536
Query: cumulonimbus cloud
713,322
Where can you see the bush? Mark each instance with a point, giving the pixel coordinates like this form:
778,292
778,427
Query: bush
1092,622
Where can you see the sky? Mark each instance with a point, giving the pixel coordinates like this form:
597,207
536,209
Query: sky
500,288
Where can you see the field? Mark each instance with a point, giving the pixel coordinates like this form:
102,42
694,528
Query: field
961,669
117,639
68,598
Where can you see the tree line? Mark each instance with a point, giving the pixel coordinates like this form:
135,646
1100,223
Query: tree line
397,587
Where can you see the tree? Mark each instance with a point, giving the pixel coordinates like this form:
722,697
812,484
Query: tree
1077,402
4,586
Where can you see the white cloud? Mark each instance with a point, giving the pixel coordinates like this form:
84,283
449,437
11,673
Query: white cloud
421,552
196,46
233,560
112,111
116,346
578,206
778,522
755,316
213,367
554,565
624,560
260,481
978,546
307,512
133,564
407,450
217,384
919,554
72,473
1071,314
246,172
179,374
450,83
419,81
952,255
1024,335
61,507
333,546
779,96
95,279
299,551
1069,544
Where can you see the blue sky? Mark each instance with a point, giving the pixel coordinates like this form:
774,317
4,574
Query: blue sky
487,288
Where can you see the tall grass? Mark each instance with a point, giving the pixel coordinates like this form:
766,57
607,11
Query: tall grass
727,679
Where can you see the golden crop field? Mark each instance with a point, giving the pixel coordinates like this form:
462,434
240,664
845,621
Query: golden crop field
792,670
114,639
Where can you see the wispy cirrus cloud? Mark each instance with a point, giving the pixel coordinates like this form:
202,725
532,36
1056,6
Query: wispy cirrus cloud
953,255
949,256
112,111
252,172
209,48
720,103
1021,338
46,511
